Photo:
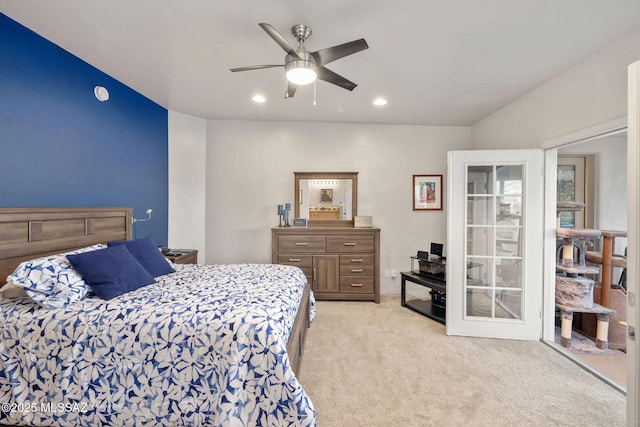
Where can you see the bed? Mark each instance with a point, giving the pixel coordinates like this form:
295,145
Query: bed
204,345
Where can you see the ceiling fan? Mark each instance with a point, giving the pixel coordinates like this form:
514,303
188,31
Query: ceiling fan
303,67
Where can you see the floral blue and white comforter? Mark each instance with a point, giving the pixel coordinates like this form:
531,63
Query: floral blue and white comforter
204,346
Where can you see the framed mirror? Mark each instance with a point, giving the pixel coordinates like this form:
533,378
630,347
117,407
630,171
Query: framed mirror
326,199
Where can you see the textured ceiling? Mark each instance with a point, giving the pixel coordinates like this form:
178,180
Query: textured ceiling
437,62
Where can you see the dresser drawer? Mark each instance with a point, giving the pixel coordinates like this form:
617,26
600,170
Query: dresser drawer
297,260
350,244
300,243
356,265
304,262
356,285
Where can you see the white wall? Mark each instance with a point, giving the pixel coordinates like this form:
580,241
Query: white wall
250,169
187,168
592,92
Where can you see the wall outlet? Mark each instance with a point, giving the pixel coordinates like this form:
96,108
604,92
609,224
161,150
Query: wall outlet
387,274
393,273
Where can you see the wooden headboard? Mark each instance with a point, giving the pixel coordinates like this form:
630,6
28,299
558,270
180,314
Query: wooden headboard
27,233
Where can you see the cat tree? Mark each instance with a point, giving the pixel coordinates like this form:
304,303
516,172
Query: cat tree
574,293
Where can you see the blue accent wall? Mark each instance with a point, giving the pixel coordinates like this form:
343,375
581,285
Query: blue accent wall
60,146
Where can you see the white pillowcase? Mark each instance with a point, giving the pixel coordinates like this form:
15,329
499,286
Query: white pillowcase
51,281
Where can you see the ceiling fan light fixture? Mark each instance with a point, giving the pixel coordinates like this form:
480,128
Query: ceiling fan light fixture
303,67
301,72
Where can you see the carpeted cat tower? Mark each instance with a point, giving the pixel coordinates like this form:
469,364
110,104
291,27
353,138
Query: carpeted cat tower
574,293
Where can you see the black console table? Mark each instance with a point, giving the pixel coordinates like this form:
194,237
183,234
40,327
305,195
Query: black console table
434,308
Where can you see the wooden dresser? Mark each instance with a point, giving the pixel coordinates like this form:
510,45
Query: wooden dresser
341,263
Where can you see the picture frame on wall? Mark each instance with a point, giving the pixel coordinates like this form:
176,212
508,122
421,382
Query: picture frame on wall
427,192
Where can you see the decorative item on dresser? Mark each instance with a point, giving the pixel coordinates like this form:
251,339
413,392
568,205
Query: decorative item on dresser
340,263
283,215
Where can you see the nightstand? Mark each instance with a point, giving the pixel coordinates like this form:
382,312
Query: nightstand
182,256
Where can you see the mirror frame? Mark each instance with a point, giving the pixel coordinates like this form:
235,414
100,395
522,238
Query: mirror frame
353,176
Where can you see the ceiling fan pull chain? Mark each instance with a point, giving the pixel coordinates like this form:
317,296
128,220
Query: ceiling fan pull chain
314,92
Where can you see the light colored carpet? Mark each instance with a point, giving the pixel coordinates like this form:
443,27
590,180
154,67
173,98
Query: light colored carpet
369,364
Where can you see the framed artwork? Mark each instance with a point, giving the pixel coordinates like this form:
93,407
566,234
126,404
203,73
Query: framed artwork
299,222
427,192
326,195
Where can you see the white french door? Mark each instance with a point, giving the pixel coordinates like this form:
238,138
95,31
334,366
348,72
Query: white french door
495,209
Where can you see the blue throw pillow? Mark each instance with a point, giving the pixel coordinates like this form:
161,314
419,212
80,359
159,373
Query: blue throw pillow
146,252
111,272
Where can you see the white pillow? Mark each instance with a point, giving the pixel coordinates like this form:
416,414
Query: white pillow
51,281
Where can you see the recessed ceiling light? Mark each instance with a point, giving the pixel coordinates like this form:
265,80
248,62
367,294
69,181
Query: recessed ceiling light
258,98
379,102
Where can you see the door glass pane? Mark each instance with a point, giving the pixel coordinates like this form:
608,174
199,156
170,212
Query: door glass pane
509,273
508,304
508,241
480,241
480,302
480,180
567,193
509,179
509,206
479,272
480,210
507,248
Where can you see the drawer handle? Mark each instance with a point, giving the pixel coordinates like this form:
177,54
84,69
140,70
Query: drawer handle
356,260
349,243
356,285
356,270
294,259
302,243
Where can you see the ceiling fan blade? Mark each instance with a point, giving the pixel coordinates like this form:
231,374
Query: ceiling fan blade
275,35
324,56
329,76
253,67
291,90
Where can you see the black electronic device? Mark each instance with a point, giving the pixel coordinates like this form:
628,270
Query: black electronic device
423,255
436,249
